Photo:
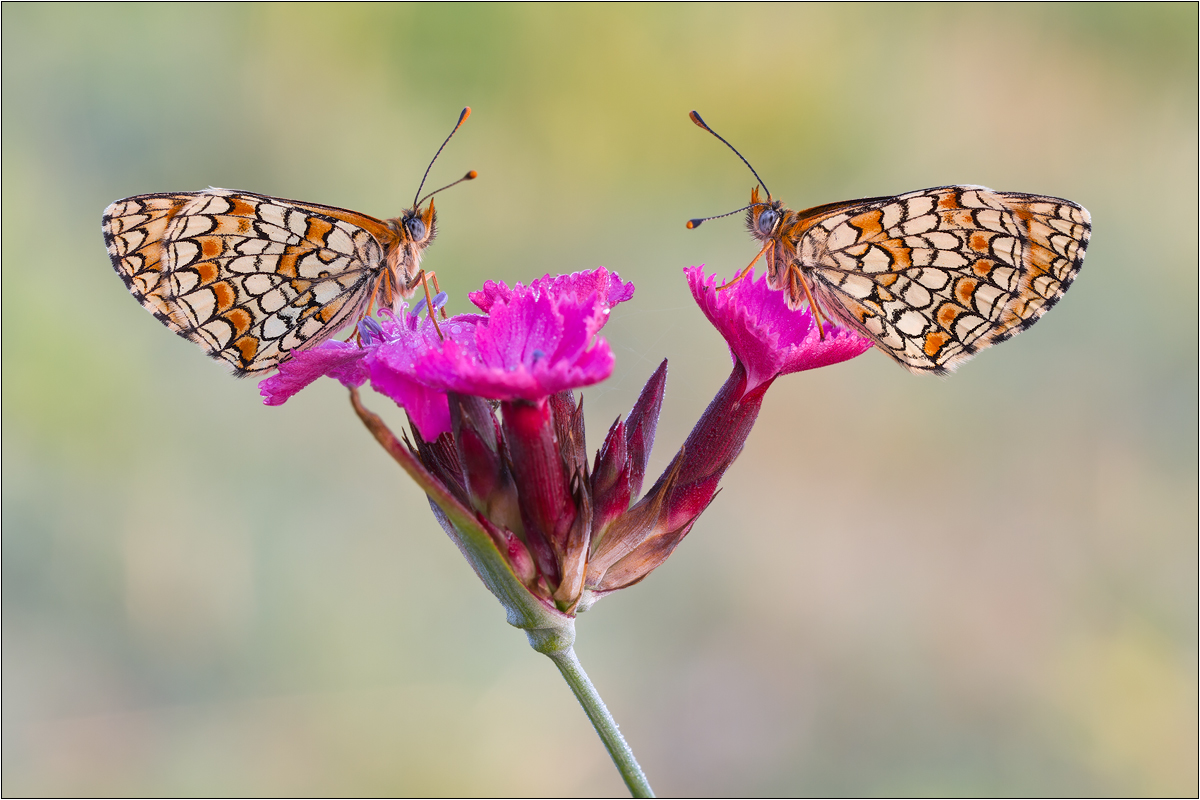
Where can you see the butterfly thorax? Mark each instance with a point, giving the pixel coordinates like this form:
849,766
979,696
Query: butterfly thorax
772,221
412,232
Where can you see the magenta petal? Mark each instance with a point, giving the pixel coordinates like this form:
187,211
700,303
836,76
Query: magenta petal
428,408
491,293
458,369
537,340
395,367
607,286
520,332
764,334
340,360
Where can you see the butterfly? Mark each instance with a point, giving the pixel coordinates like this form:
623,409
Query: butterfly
932,276
254,279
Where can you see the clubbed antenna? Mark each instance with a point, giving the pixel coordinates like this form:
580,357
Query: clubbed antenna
470,176
701,123
695,223
466,112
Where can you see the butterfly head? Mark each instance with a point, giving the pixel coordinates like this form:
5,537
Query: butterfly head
764,218
417,227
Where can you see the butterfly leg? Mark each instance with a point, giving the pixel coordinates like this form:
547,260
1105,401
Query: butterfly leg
436,291
746,271
424,278
812,303
389,295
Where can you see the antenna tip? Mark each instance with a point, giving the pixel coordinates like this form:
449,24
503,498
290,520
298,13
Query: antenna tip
470,176
466,112
695,117
693,223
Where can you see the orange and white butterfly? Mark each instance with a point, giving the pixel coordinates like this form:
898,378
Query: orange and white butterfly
254,279
932,276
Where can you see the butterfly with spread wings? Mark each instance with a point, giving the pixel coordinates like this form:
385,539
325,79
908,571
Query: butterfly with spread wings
932,276
254,279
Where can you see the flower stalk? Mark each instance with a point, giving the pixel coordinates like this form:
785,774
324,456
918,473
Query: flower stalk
631,772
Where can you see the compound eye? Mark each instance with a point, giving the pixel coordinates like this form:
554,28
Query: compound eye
767,220
415,228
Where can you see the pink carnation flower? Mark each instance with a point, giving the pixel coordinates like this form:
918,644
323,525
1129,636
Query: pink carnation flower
767,337
533,341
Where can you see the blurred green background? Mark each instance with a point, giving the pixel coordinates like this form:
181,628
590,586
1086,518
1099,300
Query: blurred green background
980,585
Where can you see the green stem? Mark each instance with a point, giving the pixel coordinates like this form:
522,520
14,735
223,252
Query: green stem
568,664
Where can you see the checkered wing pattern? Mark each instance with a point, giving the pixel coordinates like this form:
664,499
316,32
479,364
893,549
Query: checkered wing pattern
249,278
936,275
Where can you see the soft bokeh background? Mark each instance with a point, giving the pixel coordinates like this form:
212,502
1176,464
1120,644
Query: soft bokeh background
979,585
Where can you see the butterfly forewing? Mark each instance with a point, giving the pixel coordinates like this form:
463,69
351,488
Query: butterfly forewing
936,275
247,277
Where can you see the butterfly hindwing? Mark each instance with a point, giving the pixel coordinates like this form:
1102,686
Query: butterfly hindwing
935,275
247,277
